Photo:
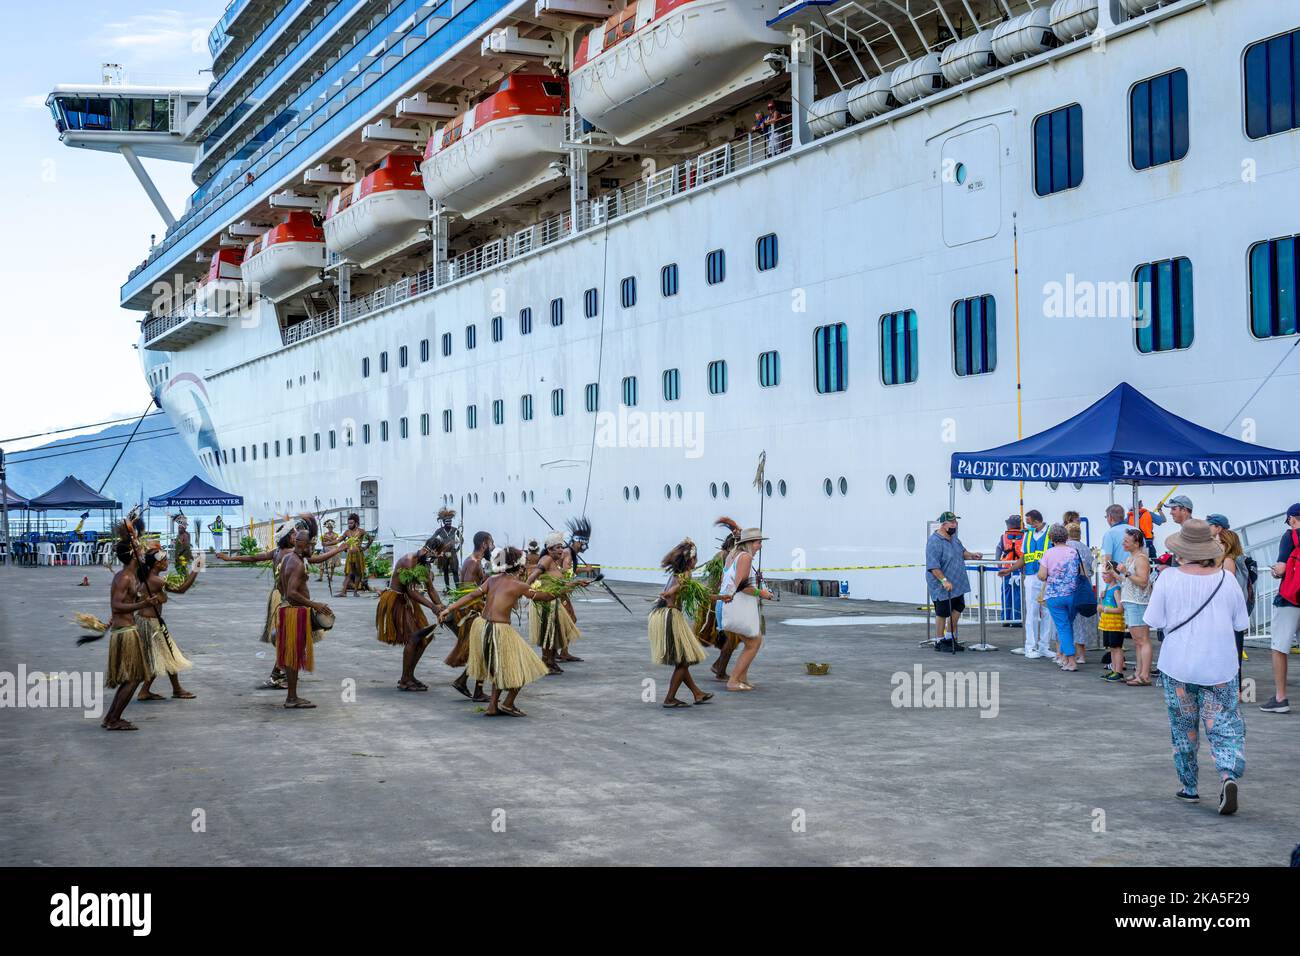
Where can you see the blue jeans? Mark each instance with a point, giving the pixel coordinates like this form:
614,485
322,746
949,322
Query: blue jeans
1062,611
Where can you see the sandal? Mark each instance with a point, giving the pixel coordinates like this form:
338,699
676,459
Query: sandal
674,703
1137,682
462,689
273,684
742,686
704,698
510,711
300,703
183,695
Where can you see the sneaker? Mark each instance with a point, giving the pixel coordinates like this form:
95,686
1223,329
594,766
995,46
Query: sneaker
1030,655
1017,650
1275,706
1112,677
1228,798
1189,797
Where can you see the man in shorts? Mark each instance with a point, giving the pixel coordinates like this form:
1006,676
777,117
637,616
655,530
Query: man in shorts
946,578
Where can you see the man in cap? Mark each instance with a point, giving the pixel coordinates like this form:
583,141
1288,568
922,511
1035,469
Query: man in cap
1286,614
1011,546
946,578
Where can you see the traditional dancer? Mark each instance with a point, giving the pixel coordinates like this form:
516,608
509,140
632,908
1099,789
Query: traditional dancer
552,627
706,619
497,652
184,550
736,580
579,539
532,554
298,620
355,542
472,574
167,657
399,619
449,542
129,662
328,540
672,641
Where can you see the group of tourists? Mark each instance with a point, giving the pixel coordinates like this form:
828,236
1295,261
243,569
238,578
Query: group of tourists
1192,601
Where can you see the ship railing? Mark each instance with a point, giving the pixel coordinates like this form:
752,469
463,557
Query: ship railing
153,327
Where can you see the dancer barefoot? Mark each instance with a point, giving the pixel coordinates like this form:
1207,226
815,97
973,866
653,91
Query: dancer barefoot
472,574
550,625
167,657
497,652
672,641
447,551
355,542
737,582
328,540
129,663
399,619
296,630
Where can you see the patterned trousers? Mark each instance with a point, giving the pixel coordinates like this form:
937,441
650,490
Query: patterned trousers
1218,707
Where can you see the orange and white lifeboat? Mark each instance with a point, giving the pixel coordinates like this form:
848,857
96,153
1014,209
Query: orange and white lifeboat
221,291
500,150
380,213
658,62
285,258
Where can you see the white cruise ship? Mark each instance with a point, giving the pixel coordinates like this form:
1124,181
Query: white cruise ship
567,256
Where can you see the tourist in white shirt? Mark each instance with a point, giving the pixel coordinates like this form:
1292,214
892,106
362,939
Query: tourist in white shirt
1200,606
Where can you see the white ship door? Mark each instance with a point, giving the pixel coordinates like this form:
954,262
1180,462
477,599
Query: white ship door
370,494
970,172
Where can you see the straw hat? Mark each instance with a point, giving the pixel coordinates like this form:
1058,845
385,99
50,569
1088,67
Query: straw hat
751,534
1194,542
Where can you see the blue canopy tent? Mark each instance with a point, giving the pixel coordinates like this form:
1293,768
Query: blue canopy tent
1126,438
72,494
197,493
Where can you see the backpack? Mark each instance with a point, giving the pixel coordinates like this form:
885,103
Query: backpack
1290,587
1252,575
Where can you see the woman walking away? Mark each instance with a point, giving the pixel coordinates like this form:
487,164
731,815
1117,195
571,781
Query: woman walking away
1199,605
1135,593
741,593
1074,531
1059,568
672,641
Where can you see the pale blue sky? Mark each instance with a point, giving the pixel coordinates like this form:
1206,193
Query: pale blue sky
76,221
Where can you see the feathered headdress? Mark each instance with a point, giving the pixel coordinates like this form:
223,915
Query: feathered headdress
307,522
446,513
681,558
580,529
505,560
733,531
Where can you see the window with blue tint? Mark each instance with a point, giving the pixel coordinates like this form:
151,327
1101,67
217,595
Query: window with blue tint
769,369
627,292
557,312
526,408
672,385
1163,316
1157,111
498,411
383,362
471,336
446,420
1058,150
629,391
471,416
401,357
365,438
424,427
717,377
1274,279
1272,85
498,328
831,346
557,401
424,350
715,266
365,367
765,252
525,321
668,280
899,360
590,303
383,434
446,343
593,397
974,335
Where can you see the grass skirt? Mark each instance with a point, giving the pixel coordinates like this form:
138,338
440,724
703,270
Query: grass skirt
498,653
463,623
706,626
129,660
355,568
550,626
167,657
672,641
397,617
295,639
272,606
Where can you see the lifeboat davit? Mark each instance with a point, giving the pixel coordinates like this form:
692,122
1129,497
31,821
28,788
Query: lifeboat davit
284,259
500,150
380,213
221,291
661,61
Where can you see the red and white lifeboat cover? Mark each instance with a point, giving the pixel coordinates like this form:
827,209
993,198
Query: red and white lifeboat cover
285,258
501,149
220,292
658,62
379,213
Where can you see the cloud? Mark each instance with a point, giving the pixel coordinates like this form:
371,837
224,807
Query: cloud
162,35
34,101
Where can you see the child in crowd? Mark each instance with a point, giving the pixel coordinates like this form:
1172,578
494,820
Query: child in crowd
1110,622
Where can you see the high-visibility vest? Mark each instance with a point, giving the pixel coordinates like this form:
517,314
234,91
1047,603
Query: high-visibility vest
1146,525
1036,550
1013,546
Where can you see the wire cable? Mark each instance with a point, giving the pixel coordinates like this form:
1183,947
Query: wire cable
600,358
72,428
82,451
113,439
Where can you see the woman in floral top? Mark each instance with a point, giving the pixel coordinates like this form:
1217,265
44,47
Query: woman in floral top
1060,568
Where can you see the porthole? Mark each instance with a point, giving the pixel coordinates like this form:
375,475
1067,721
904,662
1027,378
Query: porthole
636,492
713,489
1078,485
678,489
568,494
988,485
780,487
959,174
828,487
967,484
844,485
668,492
767,488
531,498
476,497
891,483
523,496
627,493
1053,485
910,484
726,490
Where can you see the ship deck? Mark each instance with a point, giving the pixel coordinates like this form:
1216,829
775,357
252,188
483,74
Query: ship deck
596,776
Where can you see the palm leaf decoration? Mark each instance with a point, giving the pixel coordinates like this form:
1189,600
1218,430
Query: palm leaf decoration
174,580
416,575
692,595
711,573
556,586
